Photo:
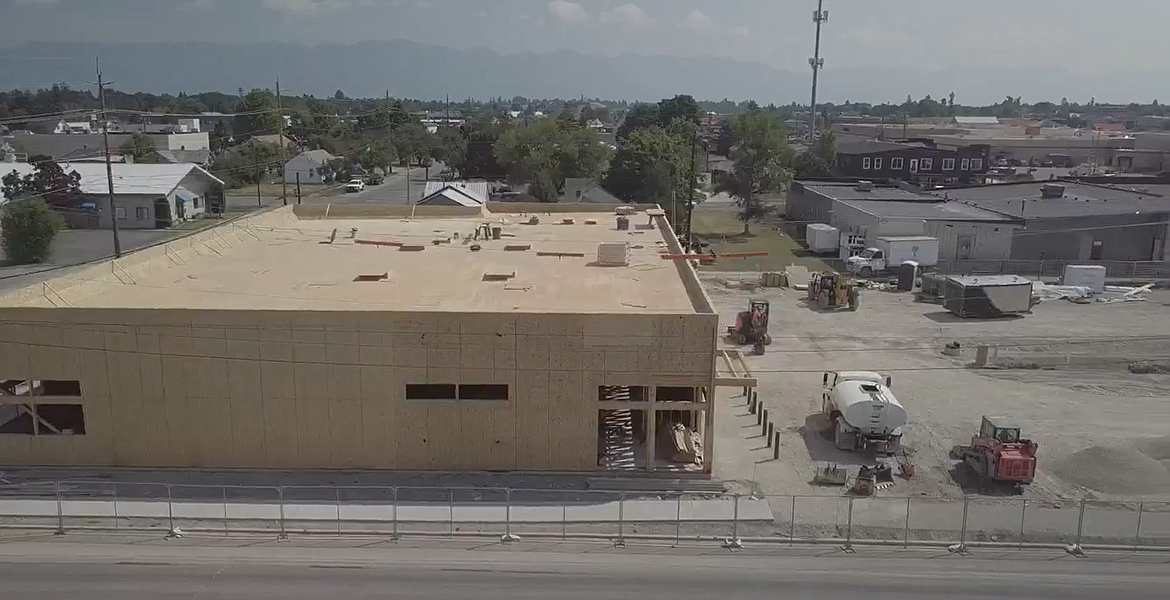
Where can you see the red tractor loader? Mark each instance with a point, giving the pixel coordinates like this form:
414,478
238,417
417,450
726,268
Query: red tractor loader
998,454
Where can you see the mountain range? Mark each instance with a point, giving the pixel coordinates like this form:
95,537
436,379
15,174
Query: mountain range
416,70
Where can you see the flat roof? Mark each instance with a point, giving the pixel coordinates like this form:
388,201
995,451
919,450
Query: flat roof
849,191
940,211
1080,200
280,262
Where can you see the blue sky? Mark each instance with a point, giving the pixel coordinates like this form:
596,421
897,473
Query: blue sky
1081,36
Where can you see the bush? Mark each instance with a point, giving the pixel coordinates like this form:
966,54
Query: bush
27,229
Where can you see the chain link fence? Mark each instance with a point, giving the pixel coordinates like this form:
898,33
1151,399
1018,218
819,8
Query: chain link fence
398,511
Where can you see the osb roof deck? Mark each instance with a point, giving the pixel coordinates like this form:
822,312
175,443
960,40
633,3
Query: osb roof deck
279,262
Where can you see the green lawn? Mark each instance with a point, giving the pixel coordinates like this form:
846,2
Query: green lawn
719,227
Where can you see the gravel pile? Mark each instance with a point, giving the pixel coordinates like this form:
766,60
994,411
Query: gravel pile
1115,470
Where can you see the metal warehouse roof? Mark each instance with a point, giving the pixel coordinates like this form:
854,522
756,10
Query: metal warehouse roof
1079,200
479,190
941,211
155,180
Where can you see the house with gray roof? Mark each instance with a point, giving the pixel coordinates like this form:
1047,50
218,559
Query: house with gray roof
306,167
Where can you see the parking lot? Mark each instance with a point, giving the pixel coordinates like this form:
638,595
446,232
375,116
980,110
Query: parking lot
1063,376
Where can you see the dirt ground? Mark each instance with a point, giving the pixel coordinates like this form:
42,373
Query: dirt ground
716,224
1102,430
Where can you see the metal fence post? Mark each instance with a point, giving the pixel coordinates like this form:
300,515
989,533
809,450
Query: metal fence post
394,490
963,529
1023,512
564,521
170,511
1080,524
1137,536
677,520
116,525
451,512
792,523
849,527
735,519
337,495
621,541
508,515
60,511
906,530
283,535
225,517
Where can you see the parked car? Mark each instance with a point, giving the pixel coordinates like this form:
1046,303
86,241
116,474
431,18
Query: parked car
376,179
354,186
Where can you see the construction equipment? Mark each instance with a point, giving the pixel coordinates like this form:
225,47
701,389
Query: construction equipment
833,290
866,482
998,454
830,474
751,326
865,414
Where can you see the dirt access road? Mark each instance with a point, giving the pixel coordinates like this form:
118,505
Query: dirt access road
1116,420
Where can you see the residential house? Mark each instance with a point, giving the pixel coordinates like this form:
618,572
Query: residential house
145,196
1074,221
580,189
306,167
71,128
919,163
455,193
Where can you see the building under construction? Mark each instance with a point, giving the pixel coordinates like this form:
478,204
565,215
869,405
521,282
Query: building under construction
450,338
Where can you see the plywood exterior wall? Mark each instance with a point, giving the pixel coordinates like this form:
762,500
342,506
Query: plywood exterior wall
287,389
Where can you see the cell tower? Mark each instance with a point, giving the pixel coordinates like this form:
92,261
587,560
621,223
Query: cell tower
820,17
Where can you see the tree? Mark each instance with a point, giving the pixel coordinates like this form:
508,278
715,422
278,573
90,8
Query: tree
28,222
412,141
679,107
648,168
639,117
760,164
339,95
27,229
450,148
379,154
544,187
258,115
140,147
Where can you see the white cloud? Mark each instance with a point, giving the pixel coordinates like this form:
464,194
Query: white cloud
422,4
35,2
304,7
627,14
742,31
198,5
699,21
569,12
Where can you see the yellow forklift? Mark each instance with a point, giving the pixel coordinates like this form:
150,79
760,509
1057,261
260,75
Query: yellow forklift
833,291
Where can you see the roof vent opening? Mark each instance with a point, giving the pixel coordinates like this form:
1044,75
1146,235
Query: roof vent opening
1052,190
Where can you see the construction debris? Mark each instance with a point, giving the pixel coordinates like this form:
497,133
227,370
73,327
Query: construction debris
1086,295
381,277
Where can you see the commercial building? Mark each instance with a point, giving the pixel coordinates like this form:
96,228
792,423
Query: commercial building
476,341
1074,221
145,196
918,163
80,146
866,212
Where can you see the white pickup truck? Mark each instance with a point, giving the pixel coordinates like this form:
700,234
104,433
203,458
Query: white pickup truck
354,186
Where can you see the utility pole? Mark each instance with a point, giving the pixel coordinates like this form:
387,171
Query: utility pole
820,17
691,192
109,168
283,159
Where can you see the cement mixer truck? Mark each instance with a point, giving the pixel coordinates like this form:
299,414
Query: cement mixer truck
865,414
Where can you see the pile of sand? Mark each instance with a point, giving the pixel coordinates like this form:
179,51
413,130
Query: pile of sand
1115,470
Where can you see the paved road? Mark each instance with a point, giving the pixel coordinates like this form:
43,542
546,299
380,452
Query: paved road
161,570
393,190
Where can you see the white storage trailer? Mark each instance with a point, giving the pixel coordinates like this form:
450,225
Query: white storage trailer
822,238
865,413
